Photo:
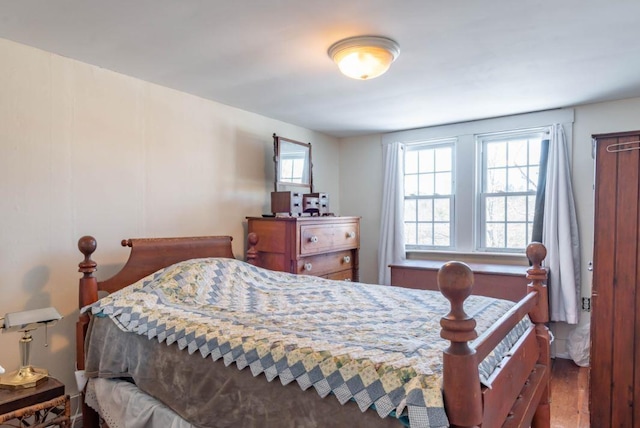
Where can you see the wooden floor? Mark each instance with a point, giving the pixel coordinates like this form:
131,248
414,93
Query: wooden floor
569,395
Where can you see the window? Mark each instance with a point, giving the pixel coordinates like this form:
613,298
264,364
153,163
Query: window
509,166
292,168
492,167
428,190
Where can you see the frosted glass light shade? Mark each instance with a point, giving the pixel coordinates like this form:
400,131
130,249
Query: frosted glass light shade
364,57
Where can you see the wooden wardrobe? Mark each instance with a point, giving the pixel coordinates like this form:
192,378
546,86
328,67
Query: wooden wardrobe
615,316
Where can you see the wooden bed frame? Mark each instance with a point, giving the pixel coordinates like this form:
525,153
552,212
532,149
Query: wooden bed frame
518,395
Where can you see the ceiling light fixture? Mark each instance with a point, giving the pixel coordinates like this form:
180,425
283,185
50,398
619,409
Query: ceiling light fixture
364,57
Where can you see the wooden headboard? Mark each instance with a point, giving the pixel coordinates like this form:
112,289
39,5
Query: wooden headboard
147,256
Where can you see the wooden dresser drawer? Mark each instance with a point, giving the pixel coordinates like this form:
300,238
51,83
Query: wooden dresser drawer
323,264
345,275
316,239
346,236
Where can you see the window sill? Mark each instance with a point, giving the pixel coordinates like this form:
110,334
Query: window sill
519,259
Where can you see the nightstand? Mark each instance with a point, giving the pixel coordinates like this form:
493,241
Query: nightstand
45,405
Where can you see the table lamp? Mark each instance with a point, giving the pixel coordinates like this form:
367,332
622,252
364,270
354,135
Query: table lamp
26,321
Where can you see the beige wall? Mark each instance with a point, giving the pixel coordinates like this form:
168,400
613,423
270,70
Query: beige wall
360,195
84,150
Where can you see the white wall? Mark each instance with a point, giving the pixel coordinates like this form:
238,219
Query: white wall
360,194
84,150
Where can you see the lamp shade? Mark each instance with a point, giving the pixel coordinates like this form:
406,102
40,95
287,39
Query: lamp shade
364,57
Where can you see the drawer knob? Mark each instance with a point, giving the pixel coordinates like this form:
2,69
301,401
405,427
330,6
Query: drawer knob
346,259
351,234
313,239
308,266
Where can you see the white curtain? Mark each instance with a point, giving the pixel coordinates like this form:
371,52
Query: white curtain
560,233
391,243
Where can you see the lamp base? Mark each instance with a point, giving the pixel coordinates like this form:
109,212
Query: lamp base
26,377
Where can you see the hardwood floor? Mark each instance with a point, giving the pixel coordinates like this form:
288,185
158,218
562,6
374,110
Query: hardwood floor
569,395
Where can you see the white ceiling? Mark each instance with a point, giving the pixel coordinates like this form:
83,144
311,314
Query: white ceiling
460,59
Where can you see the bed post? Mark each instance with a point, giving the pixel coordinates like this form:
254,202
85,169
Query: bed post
87,294
461,379
252,252
536,252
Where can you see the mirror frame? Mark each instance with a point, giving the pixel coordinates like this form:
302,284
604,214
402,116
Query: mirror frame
281,186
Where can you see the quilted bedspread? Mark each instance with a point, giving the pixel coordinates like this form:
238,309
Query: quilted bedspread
377,345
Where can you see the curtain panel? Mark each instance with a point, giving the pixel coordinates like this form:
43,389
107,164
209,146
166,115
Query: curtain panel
560,232
391,242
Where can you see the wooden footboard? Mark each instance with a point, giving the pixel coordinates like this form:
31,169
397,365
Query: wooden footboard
518,394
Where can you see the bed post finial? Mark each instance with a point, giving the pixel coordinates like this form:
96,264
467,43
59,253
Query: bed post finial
536,252
463,402
252,252
87,246
87,293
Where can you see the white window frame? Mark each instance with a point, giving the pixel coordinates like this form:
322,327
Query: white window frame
481,223
434,144
466,166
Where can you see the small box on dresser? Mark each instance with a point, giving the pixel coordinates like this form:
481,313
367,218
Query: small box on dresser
316,203
286,202
320,246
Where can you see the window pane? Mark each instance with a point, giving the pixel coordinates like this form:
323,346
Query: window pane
496,153
298,168
517,152
443,183
411,161
443,159
534,153
425,234
425,210
410,185
441,234
516,235
516,208
517,179
495,208
496,181
426,160
532,208
441,210
533,178
410,234
410,210
494,237
426,184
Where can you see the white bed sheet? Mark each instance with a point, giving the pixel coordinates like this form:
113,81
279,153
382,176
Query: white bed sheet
122,405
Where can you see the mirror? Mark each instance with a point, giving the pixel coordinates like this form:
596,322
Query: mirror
293,165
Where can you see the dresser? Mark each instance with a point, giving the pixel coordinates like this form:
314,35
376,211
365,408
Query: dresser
320,246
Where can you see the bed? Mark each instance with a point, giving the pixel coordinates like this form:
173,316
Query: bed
491,366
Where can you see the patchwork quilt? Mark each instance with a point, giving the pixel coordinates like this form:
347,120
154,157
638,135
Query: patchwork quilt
379,346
